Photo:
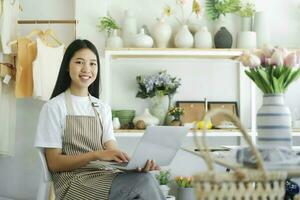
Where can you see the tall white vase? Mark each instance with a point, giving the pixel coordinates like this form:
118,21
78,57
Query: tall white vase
274,122
261,27
162,32
184,38
129,28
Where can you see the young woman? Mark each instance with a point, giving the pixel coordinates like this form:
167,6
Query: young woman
75,128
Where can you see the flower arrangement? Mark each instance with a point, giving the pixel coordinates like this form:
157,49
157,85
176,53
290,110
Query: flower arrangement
107,24
184,182
271,69
182,18
176,112
247,9
163,177
159,84
216,8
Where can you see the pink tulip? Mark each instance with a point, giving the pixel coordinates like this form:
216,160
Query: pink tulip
254,61
284,51
267,51
291,60
277,58
249,60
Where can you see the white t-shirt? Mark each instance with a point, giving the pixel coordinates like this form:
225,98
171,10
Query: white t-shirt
52,120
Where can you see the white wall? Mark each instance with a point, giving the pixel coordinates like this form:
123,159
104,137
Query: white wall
19,175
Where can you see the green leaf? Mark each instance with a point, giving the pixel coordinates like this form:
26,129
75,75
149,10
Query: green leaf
293,76
252,75
265,80
276,86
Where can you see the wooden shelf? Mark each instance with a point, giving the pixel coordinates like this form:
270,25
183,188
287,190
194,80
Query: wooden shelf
210,133
173,52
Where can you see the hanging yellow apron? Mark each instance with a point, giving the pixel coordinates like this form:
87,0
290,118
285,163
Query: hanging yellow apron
82,134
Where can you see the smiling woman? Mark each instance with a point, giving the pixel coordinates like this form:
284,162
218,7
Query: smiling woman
75,128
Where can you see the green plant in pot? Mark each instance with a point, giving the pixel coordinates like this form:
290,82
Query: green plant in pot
247,12
175,113
163,178
111,27
185,188
217,9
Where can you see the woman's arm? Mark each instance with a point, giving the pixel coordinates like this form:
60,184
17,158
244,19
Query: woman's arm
57,162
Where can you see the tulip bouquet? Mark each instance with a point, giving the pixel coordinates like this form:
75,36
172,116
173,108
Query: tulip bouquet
184,182
271,69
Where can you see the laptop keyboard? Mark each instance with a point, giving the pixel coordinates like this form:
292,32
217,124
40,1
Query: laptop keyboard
123,164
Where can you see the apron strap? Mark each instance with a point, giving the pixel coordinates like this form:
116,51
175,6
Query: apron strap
69,103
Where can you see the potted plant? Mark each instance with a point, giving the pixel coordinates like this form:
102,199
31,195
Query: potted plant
247,12
272,70
175,113
185,188
156,87
217,9
163,178
109,25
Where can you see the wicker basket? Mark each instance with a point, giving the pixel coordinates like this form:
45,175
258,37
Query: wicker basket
242,183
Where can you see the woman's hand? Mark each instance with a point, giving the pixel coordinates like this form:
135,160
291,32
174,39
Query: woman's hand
112,155
150,166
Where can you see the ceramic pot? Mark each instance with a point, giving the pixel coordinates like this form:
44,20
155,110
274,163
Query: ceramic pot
165,189
203,39
147,118
116,123
142,40
246,39
261,27
186,194
129,28
114,41
274,122
184,38
223,38
162,32
246,24
159,107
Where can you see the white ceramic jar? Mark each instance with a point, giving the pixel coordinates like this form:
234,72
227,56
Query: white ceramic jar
114,41
203,38
184,38
149,119
162,32
142,40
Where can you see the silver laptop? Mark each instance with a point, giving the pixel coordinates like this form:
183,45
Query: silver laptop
159,143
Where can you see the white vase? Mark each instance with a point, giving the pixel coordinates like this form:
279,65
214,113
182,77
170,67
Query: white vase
203,38
184,38
162,32
246,39
261,27
165,189
146,117
142,40
274,122
114,41
186,194
116,123
159,107
246,24
129,28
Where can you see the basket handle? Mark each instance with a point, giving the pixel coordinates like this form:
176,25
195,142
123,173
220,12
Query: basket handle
208,156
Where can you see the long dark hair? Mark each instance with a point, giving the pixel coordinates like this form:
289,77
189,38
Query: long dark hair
63,81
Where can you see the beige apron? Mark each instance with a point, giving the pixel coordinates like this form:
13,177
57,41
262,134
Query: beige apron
82,134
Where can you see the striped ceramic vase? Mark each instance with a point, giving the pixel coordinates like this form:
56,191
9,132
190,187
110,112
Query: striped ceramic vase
274,122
